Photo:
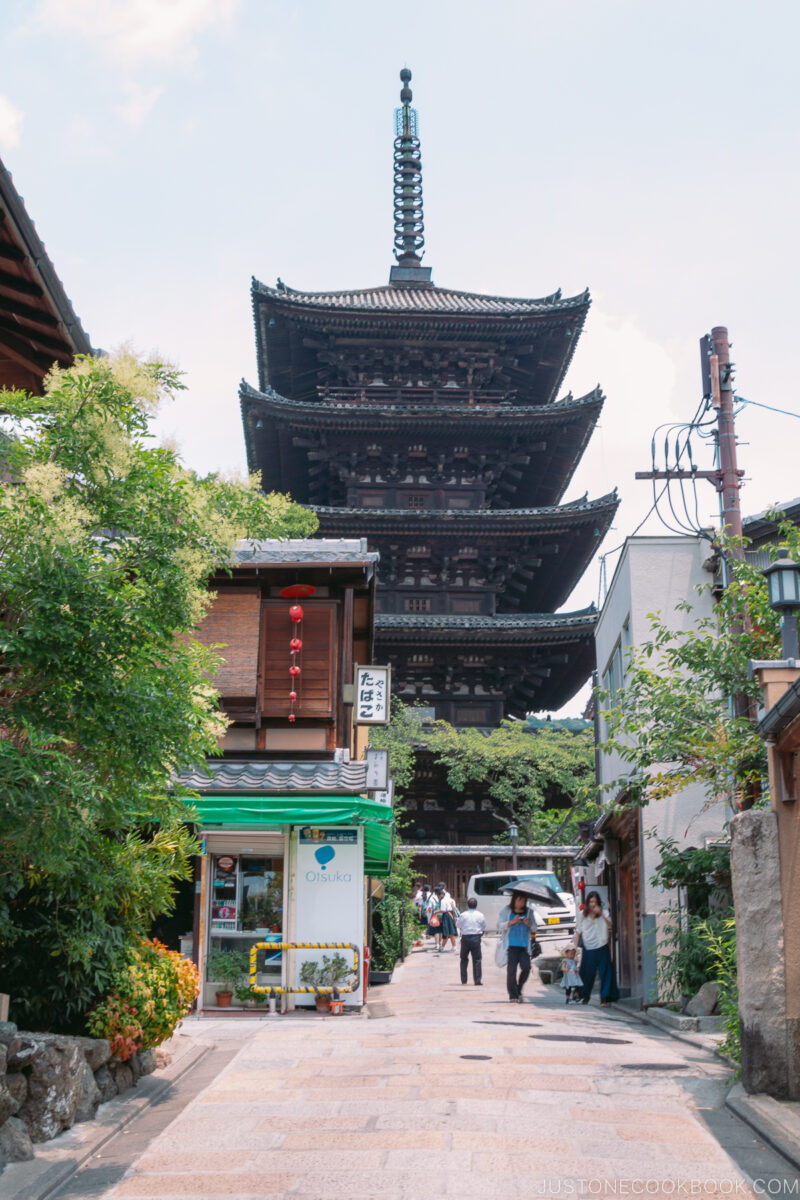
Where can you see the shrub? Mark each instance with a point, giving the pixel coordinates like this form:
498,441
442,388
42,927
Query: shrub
686,958
720,940
153,991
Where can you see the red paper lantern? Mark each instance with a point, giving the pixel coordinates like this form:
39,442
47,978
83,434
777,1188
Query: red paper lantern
295,644
293,670
296,613
292,717
292,696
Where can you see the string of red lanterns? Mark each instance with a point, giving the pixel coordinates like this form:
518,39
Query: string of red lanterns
296,642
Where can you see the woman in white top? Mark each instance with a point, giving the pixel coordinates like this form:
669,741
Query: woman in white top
593,934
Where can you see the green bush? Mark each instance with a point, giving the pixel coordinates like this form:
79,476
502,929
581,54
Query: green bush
686,959
720,940
153,991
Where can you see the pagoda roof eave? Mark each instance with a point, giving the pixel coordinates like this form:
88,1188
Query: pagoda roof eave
424,301
419,520
378,416
530,628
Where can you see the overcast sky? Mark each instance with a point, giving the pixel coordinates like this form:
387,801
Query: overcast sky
169,149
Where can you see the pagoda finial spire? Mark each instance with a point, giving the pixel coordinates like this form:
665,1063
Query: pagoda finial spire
409,228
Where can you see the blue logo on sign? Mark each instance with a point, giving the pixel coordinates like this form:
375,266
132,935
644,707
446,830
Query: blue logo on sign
324,855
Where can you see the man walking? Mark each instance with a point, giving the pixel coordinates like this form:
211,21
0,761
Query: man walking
471,926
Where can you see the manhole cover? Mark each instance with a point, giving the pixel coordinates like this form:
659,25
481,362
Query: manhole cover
568,1037
653,1066
524,1024
477,1057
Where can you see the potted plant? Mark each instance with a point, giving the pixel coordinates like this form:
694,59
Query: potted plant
226,967
246,996
332,971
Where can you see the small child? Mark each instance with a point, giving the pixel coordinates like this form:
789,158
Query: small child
571,981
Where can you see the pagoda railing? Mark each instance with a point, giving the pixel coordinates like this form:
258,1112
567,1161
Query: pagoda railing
457,397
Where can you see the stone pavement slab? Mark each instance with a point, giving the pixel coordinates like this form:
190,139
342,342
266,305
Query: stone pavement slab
458,1093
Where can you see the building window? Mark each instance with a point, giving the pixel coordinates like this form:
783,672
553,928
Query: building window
417,604
471,715
459,501
372,499
416,500
614,674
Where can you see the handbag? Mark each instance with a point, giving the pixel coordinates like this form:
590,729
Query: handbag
500,954
435,920
536,949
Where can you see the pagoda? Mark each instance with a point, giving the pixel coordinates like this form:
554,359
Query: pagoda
428,421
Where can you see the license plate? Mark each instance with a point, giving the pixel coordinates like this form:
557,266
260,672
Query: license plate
554,920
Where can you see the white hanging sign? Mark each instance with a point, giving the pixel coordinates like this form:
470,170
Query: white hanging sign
372,686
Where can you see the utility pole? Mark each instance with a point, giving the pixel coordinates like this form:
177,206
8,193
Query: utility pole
717,373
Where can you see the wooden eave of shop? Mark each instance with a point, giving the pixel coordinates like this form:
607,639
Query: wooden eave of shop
38,325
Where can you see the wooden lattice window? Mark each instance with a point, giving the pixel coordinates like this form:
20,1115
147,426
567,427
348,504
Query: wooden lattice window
417,604
315,684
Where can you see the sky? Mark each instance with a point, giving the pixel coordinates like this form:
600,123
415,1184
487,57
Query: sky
168,150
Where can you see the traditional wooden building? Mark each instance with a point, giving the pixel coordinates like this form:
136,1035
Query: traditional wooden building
428,420
38,325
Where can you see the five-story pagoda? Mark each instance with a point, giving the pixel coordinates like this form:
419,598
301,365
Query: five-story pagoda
427,420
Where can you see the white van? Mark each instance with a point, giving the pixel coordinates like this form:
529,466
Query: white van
556,923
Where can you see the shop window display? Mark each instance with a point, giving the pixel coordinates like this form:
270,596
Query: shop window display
247,907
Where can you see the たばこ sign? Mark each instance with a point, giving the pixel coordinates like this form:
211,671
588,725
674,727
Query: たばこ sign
372,695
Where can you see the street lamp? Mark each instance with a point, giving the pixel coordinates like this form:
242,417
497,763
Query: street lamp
783,582
514,834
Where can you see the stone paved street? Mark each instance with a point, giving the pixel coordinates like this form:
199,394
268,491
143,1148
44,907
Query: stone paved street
458,1093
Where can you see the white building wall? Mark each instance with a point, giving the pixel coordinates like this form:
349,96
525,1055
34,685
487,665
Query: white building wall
653,575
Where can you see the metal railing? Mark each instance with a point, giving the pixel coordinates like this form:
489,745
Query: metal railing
320,991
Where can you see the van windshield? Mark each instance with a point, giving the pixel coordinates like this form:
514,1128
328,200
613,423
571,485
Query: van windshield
492,885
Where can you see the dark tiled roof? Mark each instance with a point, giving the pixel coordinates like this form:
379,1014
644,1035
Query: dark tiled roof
501,622
309,551
420,299
483,516
374,412
228,775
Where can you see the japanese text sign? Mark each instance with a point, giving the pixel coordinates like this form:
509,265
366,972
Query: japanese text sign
372,695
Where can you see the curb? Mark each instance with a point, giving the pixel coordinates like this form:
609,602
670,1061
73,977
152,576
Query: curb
57,1161
773,1121
698,1040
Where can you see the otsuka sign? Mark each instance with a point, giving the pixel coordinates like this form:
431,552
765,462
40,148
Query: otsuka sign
329,890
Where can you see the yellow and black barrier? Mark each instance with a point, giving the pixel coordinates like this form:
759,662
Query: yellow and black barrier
320,991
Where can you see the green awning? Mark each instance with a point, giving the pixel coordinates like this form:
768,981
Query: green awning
251,811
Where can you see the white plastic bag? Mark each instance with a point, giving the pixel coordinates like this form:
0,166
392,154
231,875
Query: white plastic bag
500,953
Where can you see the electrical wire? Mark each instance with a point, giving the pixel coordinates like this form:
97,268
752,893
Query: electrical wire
784,412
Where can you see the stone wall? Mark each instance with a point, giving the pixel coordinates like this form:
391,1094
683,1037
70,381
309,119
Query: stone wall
48,1082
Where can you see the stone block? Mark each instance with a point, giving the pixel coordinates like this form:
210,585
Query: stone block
123,1074
96,1050
704,1004
3,1058
18,1087
106,1084
163,1058
54,1088
143,1062
8,1105
23,1050
8,1030
89,1097
755,876
15,1143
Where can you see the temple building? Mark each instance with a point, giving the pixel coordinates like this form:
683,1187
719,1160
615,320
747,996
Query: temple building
428,420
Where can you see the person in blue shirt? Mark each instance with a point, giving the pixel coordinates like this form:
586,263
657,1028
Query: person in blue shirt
515,926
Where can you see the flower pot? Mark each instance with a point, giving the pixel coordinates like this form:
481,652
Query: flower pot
224,999
323,1003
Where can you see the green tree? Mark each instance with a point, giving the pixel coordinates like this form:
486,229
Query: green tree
672,721
540,781
107,544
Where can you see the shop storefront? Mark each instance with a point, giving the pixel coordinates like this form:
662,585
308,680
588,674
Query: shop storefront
280,869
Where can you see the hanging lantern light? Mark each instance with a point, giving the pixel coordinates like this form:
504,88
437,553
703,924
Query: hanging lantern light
296,613
295,642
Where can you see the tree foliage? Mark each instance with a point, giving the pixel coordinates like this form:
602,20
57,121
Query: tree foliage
673,720
540,781
107,544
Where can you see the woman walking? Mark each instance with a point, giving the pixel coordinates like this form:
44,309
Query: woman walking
593,934
449,912
515,926
434,918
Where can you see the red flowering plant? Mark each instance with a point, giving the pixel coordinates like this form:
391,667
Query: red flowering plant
153,991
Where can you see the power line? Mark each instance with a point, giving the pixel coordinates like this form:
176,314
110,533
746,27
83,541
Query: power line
784,412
